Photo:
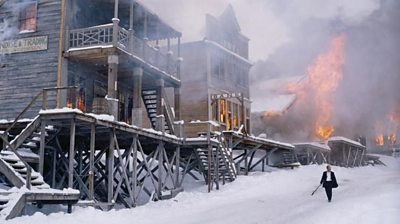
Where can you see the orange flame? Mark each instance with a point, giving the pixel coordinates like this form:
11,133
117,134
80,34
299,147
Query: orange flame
379,140
322,79
392,139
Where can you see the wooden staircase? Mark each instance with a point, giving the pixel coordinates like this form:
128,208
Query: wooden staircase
30,185
16,171
150,99
221,164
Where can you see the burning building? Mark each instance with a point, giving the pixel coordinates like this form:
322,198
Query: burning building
218,73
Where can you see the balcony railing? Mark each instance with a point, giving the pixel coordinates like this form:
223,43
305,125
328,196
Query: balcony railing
103,35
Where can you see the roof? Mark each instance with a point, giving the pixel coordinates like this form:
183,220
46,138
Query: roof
341,139
315,146
272,95
274,103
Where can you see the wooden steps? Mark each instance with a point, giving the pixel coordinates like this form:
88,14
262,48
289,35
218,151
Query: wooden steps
150,98
226,168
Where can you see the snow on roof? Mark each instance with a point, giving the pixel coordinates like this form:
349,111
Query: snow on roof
213,123
60,110
316,145
272,141
4,121
344,139
261,139
274,103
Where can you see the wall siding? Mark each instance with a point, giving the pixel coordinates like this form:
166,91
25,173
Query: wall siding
23,75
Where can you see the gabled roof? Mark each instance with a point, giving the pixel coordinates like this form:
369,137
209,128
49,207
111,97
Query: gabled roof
229,16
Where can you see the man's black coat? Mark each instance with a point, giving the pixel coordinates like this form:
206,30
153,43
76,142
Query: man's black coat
323,180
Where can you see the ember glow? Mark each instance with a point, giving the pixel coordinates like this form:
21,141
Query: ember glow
379,140
387,129
322,79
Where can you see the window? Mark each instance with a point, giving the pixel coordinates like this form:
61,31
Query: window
27,17
218,67
222,111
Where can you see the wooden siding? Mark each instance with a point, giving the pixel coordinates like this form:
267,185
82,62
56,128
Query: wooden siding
23,75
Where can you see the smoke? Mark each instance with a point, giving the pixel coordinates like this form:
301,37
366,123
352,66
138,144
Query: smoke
369,90
8,29
286,36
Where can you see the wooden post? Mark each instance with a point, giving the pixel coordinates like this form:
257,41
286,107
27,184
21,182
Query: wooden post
134,168
209,156
91,160
177,161
169,56
61,48
116,4
71,155
131,31
177,103
246,163
115,34
42,145
160,159
113,61
137,97
179,58
110,167
160,96
54,169
243,114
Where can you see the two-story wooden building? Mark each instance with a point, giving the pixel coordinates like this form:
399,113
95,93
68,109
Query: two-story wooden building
118,54
215,76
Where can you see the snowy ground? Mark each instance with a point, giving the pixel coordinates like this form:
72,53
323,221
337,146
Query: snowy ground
365,195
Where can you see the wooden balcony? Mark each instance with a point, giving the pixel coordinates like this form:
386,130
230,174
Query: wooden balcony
85,43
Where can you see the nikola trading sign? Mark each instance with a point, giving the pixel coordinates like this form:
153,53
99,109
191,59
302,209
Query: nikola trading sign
23,45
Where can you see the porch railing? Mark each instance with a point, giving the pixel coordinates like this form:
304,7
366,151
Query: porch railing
103,35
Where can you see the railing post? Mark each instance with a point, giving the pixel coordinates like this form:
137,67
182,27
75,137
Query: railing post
169,60
115,31
44,103
144,46
130,43
157,62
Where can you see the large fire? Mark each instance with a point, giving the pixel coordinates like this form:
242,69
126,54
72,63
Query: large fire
322,79
390,126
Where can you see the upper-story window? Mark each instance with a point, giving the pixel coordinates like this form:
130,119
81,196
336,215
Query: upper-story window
27,17
218,67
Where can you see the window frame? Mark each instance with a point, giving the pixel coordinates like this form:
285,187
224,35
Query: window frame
24,10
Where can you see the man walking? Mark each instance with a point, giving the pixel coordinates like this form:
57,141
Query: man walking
328,181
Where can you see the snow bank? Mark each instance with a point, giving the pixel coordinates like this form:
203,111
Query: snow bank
365,195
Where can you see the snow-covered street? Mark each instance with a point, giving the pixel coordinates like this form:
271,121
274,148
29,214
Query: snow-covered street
365,195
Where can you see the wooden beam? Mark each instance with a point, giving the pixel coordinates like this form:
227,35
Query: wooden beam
110,167
91,160
42,146
71,154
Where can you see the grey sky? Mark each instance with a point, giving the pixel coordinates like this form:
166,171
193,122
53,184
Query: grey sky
268,23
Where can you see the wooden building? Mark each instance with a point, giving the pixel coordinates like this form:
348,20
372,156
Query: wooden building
217,66
116,57
118,54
